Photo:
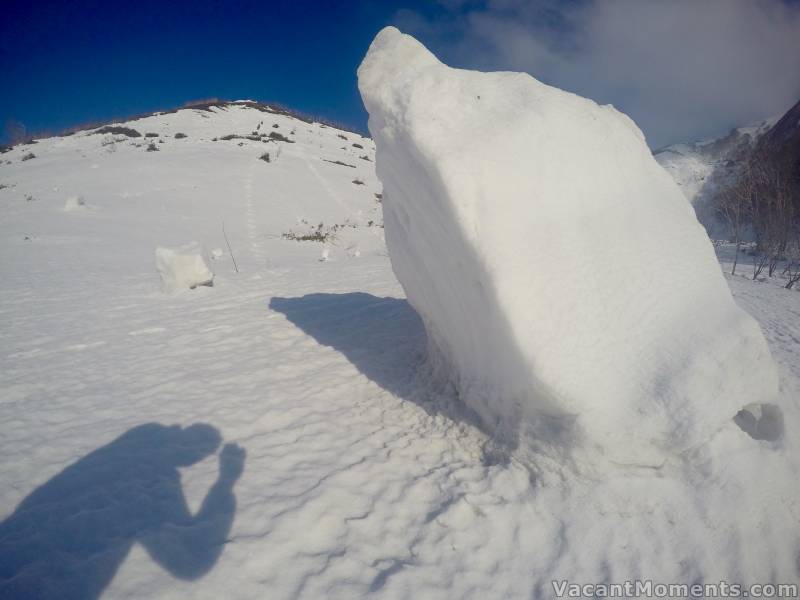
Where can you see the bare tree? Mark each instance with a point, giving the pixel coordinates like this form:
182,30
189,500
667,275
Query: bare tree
735,205
759,260
772,208
792,273
792,269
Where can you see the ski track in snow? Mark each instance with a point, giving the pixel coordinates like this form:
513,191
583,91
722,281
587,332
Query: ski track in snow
330,190
360,478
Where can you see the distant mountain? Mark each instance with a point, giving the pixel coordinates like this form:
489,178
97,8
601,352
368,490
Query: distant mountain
781,144
701,168
786,132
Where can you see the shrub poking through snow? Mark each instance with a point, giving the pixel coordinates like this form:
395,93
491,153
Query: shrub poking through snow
265,157
274,135
151,147
150,135
320,234
358,182
180,136
118,130
359,146
183,268
29,156
338,162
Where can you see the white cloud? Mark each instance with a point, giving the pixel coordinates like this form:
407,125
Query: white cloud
682,69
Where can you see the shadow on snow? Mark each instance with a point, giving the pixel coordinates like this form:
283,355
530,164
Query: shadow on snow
385,339
68,538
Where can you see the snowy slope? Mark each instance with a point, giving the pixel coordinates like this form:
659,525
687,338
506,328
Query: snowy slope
329,465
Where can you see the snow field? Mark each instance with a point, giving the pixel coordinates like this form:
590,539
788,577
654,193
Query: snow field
360,475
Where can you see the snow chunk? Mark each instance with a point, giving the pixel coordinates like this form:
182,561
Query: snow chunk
183,267
566,287
75,203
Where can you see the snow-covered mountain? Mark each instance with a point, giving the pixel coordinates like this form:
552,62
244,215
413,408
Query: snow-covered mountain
263,173
701,167
278,434
781,144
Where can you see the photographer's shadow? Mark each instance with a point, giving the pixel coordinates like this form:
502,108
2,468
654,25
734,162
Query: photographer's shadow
68,537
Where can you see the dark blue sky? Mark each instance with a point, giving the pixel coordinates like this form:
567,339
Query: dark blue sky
72,61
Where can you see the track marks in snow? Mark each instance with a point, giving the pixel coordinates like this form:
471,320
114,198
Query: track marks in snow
147,331
329,189
78,347
251,220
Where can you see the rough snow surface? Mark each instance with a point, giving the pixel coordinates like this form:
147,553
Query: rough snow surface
183,268
502,198
323,463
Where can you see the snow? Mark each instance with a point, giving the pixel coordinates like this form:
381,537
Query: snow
503,199
690,169
327,460
74,203
183,268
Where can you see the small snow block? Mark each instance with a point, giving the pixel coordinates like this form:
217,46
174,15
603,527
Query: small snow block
74,203
183,268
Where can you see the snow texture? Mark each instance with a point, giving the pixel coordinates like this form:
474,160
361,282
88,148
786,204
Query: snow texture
183,268
503,196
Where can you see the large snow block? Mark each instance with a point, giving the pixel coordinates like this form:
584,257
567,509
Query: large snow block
566,287
183,268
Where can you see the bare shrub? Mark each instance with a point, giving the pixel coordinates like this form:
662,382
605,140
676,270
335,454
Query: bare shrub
338,162
274,135
119,130
318,234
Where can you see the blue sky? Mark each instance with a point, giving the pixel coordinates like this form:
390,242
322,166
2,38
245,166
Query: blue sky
71,61
682,69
